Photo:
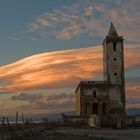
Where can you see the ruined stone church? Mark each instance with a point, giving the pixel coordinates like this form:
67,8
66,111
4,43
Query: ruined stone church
106,98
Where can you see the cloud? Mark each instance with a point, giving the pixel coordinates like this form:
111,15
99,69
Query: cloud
133,101
131,51
56,103
59,96
133,80
5,92
27,97
61,101
132,95
59,69
14,37
89,17
53,69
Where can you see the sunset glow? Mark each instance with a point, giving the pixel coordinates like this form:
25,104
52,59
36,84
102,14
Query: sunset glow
47,49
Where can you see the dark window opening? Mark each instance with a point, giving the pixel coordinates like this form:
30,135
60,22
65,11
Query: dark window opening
104,107
95,108
115,59
115,74
114,46
94,93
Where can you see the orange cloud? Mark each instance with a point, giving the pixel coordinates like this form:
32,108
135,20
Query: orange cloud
53,69
53,103
59,68
133,95
132,56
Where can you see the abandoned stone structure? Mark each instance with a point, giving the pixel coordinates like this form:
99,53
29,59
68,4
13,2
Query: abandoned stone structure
106,99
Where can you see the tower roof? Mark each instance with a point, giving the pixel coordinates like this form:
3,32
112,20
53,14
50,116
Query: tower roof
112,31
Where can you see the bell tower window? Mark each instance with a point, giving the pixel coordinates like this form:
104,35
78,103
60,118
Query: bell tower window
114,46
115,59
115,74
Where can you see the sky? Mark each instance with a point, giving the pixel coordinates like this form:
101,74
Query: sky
48,46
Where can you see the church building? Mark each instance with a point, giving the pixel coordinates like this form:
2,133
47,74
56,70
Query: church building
106,98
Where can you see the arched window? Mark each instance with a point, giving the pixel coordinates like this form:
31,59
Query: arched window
95,108
104,108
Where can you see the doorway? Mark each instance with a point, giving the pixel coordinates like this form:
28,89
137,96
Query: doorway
95,108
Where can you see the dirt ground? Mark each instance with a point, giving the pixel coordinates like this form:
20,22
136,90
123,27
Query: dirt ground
114,134
70,133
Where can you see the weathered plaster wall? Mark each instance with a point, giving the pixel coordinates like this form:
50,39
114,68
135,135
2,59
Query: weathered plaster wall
88,99
115,98
113,63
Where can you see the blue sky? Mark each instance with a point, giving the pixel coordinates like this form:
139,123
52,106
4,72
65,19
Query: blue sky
16,15
31,29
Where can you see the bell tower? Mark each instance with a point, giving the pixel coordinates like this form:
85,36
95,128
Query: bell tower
113,57
113,67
